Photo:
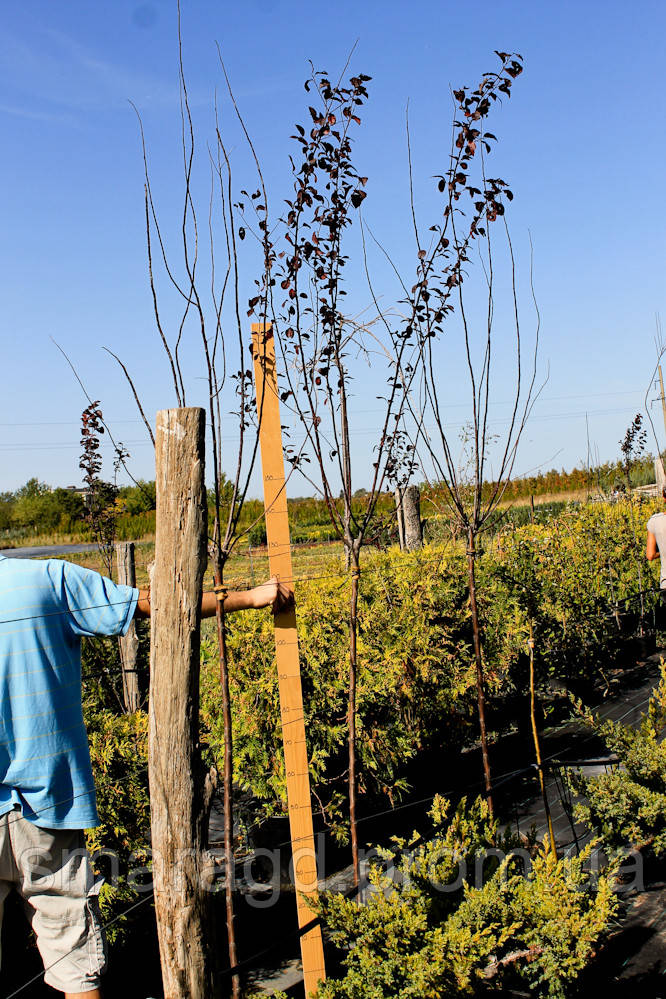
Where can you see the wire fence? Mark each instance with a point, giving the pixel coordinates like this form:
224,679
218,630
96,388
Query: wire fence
281,942
498,781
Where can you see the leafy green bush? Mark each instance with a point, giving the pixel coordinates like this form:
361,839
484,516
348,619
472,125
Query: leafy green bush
434,927
257,535
130,527
415,670
36,505
575,576
415,687
119,756
139,498
313,534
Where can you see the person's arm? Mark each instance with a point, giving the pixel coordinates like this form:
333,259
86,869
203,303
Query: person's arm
651,551
270,594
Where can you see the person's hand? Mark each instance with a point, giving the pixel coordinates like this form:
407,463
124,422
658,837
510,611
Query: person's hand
273,594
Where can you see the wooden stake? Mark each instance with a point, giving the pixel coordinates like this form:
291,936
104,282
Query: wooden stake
411,515
286,654
176,788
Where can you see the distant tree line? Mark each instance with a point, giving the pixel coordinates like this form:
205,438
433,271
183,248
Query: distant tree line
607,478
39,508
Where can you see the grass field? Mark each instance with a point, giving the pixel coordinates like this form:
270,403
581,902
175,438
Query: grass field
249,565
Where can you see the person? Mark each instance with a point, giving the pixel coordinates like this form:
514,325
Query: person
656,543
47,793
656,548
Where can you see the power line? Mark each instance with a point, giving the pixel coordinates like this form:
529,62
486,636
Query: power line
354,431
450,405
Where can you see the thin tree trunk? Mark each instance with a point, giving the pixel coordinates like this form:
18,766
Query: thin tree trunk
480,692
227,788
249,551
400,517
351,713
637,563
537,745
128,643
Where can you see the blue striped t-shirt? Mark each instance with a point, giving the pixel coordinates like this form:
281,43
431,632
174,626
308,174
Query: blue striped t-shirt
45,609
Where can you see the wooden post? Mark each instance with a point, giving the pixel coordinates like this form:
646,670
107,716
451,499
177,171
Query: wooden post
401,517
176,786
411,517
659,476
304,857
129,643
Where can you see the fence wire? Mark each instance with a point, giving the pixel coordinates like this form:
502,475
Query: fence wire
497,782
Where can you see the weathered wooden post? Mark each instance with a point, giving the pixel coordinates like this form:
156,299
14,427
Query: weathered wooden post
129,643
408,511
176,786
411,517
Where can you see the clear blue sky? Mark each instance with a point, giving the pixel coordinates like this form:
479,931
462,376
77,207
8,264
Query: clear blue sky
582,143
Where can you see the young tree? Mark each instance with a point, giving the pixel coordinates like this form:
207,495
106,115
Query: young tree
472,490
318,341
100,504
319,338
632,447
206,283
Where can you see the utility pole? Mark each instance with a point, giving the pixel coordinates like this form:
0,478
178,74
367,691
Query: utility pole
661,394
660,477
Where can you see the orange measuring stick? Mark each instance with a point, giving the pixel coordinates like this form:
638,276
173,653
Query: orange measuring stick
286,654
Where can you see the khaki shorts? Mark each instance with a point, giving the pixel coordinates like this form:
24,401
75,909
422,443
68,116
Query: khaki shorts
50,870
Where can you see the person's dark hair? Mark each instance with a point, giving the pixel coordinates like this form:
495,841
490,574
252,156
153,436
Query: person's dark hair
663,492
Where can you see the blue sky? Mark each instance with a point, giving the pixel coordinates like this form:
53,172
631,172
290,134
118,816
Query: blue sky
582,144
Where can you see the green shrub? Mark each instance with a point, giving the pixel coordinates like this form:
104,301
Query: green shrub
415,670
119,756
575,576
139,498
627,805
318,533
426,931
257,535
416,679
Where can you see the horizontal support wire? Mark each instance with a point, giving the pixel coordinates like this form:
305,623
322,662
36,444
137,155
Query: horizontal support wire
340,574
496,783
286,938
